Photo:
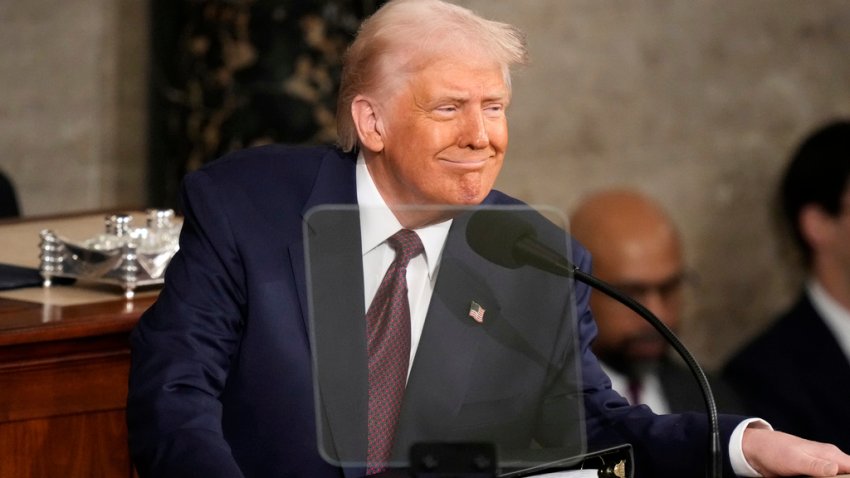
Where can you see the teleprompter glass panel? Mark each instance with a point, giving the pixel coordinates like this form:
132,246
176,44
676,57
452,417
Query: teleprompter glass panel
496,360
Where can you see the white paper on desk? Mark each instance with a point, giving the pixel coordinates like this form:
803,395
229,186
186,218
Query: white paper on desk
570,474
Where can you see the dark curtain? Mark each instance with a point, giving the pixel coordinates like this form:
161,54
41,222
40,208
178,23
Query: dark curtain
230,74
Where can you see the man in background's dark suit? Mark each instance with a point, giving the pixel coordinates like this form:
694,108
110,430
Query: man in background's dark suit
796,374
221,381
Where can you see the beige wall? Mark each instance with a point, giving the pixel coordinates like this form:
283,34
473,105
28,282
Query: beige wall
72,102
697,102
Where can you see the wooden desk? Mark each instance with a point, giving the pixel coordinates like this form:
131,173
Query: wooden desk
64,363
63,388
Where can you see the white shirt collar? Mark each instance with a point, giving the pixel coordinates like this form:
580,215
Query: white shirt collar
836,317
377,221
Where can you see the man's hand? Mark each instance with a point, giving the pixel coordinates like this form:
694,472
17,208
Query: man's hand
773,453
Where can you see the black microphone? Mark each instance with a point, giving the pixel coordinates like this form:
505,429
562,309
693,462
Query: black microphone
504,238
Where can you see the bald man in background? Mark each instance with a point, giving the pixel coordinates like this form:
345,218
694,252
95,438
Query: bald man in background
636,248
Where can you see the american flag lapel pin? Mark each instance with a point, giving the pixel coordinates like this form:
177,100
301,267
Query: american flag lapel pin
476,312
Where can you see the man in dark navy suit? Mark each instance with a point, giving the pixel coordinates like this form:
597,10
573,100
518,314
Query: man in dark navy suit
796,374
222,381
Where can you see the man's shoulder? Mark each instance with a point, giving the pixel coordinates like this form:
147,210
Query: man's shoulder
498,198
273,157
780,339
275,177
545,226
788,326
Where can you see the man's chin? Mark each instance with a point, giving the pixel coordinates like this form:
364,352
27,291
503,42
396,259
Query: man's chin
633,365
643,351
474,187
645,355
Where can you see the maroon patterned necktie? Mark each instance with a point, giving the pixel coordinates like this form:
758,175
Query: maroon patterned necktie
635,390
388,332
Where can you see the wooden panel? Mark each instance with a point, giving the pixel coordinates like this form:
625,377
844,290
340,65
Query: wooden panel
91,445
63,388
83,382
64,366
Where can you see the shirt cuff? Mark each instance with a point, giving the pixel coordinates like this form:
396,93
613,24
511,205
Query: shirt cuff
736,447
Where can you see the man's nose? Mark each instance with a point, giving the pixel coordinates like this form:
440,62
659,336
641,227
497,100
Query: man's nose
662,306
474,131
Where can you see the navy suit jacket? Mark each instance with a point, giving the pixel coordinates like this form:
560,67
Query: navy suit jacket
795,376
222,381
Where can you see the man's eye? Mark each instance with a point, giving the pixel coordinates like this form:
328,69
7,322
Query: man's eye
494,109
447,109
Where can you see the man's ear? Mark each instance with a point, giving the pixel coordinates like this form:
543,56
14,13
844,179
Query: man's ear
367,121
817,226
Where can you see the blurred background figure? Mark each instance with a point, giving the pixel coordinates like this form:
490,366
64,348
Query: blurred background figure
8,198
636,248
796,374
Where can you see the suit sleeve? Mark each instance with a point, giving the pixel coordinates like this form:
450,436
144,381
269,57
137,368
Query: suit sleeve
182,347
663,445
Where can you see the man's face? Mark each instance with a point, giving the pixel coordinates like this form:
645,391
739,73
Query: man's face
444,135
652,273
832,252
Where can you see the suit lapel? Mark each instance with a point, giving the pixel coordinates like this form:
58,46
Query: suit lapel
328,272
334,184
334,272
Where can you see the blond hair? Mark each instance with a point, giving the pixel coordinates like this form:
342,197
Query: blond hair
404,34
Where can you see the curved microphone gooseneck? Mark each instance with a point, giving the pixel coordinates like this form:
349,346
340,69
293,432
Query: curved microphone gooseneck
505,239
